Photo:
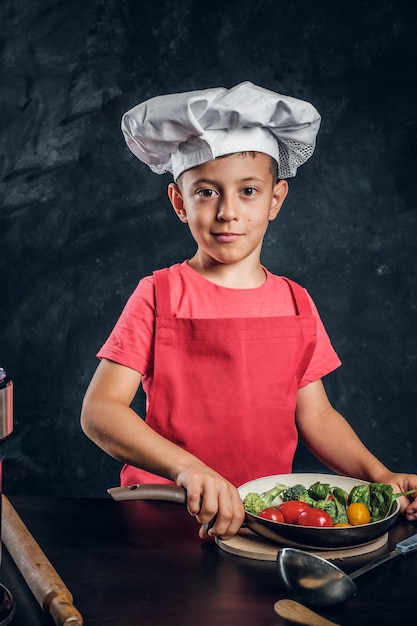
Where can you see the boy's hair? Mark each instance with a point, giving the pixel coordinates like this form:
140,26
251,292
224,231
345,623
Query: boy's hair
273,165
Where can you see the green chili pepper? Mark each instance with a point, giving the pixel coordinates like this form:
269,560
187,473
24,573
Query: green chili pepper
378,497
381,498
360,493
319,491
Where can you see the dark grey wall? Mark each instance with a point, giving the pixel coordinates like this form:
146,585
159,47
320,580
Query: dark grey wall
81,220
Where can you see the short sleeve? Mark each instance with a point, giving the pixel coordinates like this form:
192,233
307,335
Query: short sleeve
131,341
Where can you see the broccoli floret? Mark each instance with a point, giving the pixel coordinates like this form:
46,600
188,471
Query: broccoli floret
253,503
331,507
297,492
256,502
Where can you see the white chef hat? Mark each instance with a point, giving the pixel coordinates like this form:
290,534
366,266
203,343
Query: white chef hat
175,132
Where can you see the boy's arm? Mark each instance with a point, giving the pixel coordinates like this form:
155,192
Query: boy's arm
108,420
332,440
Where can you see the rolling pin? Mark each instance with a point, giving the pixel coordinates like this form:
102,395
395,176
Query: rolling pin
42,579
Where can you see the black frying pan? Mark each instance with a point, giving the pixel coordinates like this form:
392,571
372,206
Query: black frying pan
286,534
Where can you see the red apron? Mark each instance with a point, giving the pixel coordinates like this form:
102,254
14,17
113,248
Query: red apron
226,389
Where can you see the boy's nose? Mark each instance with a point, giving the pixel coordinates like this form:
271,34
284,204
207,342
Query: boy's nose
227,209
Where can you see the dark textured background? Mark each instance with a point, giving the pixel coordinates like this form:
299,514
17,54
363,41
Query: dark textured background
81,220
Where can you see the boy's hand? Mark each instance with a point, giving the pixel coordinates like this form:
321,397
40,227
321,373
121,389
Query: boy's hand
209,495
401,483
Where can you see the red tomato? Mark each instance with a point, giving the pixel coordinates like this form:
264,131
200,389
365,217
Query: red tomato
315,517
272,514
291,510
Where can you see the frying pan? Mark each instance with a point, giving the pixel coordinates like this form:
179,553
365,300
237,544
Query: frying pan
287,534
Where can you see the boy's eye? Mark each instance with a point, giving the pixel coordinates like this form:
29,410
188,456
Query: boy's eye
249,191
206,193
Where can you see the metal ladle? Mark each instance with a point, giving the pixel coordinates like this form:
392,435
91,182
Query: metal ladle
317,581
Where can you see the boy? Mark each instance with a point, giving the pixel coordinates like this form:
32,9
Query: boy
230,356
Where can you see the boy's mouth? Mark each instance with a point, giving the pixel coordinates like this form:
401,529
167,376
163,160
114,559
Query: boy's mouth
226,237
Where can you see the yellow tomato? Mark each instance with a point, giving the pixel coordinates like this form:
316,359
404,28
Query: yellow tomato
340,524
357,514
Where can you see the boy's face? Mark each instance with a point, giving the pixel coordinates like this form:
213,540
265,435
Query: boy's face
228,204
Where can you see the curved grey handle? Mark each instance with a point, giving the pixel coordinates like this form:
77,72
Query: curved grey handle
403,547
169,493
375,563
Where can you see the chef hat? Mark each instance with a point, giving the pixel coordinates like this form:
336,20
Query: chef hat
175,132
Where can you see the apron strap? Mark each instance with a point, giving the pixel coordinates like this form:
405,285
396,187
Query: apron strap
162,294
303,308
301,301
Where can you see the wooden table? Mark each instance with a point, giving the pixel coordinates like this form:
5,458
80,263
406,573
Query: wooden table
133,563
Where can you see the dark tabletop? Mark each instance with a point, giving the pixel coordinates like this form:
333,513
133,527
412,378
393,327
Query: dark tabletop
132,563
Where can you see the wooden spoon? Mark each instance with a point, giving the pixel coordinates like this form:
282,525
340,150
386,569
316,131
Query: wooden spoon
296,612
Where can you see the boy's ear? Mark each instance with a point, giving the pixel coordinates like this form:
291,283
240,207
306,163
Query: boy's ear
177,201
279,194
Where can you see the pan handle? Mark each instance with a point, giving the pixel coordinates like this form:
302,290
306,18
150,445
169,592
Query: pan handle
169,493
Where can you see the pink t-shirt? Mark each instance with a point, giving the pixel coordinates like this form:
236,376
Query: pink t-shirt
194,297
